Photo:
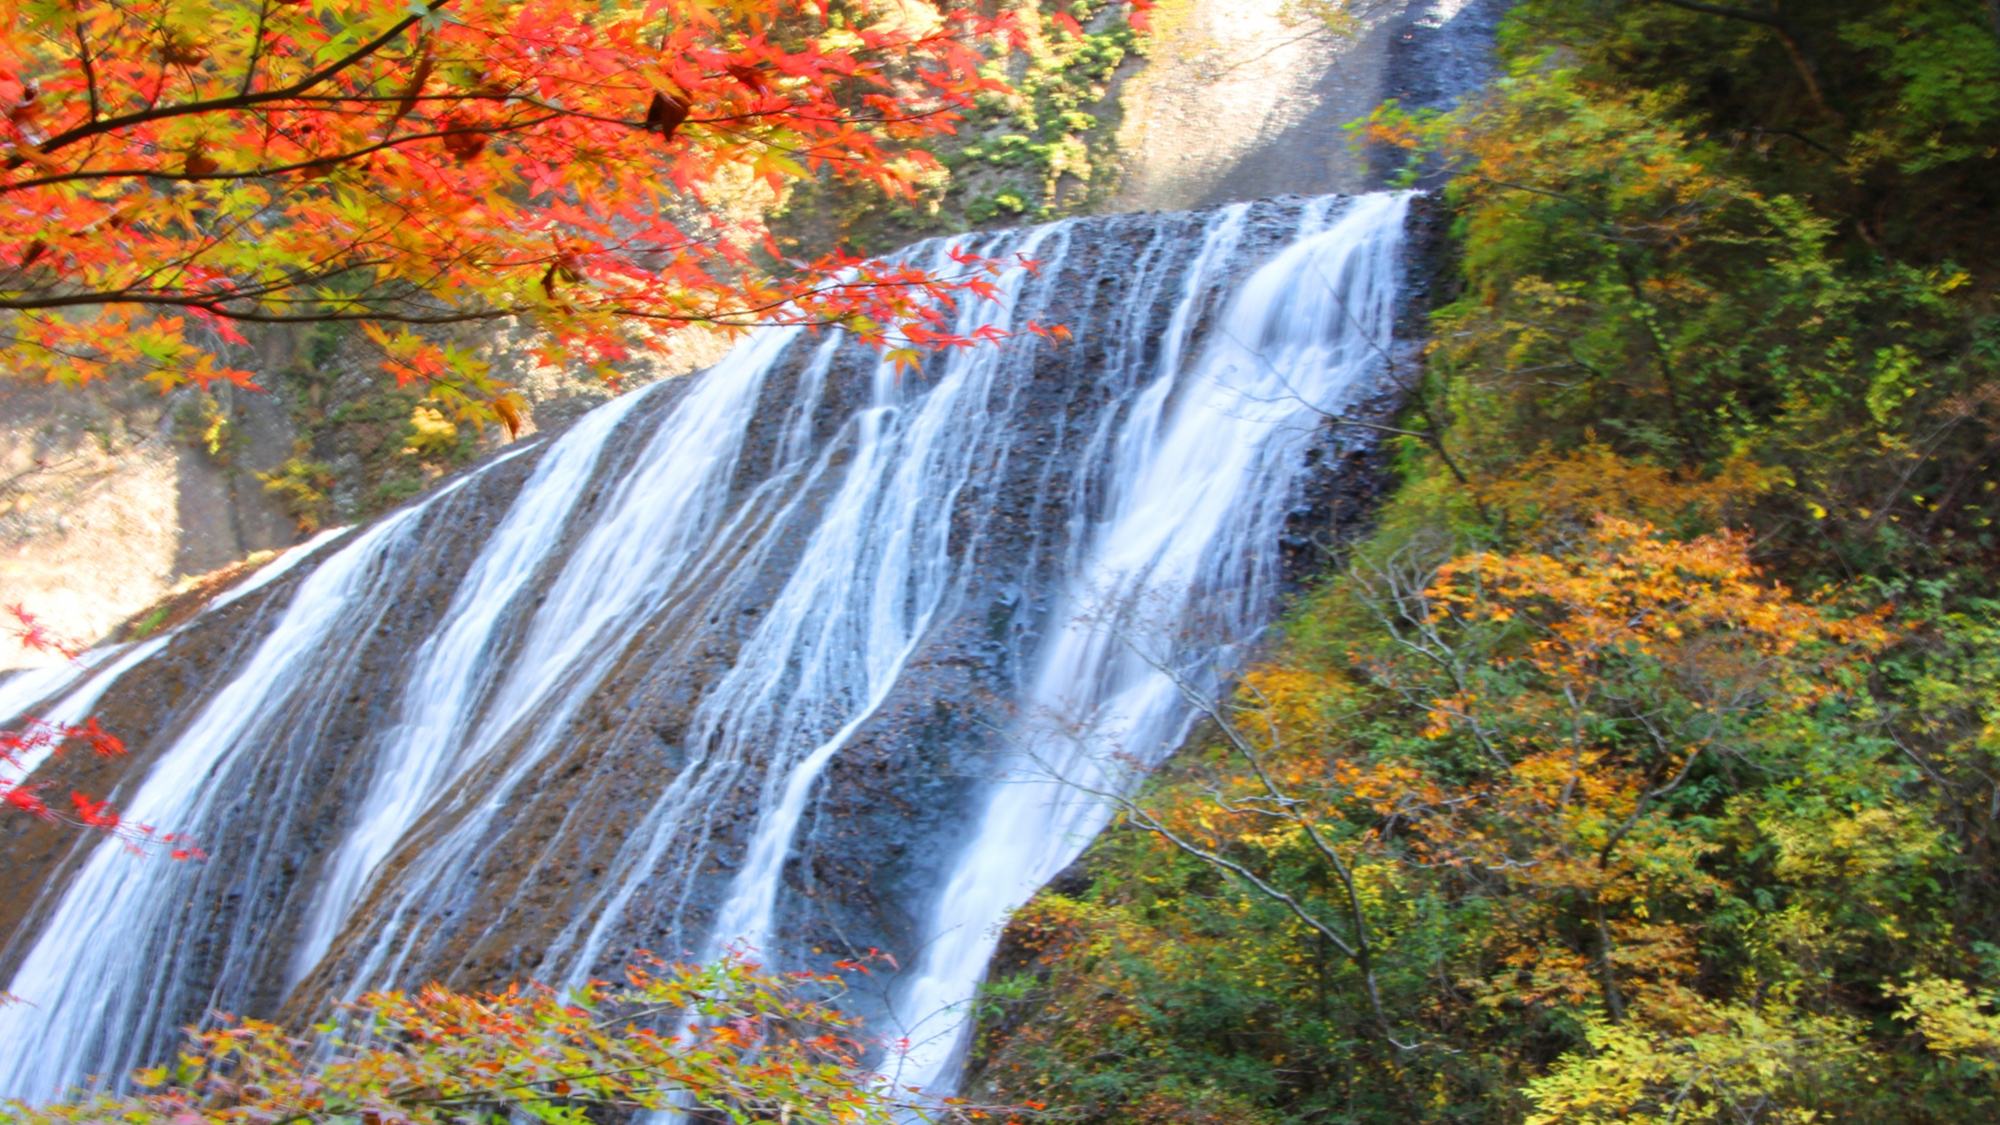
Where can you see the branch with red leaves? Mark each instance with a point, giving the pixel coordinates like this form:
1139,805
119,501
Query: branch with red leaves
754,1046
34,636
166,165
37,740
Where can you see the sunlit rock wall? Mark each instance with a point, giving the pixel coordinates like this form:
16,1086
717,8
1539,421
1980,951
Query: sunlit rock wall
105,503
1245,99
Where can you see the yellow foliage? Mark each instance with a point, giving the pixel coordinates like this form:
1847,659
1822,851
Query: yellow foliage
1775,1065
1296,701
1954,1023
1557,497
432,434
1849,847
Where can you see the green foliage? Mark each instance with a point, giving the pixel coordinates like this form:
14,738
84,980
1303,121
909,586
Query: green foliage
1767,1064
986,208
393,491
149,624
1590,822
1058,123
1677,244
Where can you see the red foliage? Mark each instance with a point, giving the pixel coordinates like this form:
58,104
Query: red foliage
29,630
21,750
411,166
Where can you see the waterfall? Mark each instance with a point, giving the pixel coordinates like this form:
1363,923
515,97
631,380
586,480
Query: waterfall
775,656
1175,574
429,747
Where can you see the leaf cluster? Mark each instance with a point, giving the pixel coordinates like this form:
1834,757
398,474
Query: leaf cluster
1590,821
1702,233
171,171
745,1046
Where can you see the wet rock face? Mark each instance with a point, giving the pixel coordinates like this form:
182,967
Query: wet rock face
565,863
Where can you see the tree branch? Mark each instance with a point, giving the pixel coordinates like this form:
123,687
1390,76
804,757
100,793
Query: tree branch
1800,62
89,70
102,126
281,169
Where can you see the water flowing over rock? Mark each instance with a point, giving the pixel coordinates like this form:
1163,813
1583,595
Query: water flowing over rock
777,655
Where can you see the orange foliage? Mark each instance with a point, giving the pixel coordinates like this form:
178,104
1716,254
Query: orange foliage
1608,672
1582,688
1697,606
1557,496
172,171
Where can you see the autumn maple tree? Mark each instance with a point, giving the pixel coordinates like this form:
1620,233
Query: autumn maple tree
174,170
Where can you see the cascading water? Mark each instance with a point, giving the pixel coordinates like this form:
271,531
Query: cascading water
734,660
1175,573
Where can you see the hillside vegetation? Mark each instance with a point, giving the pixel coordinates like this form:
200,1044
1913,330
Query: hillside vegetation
1641,766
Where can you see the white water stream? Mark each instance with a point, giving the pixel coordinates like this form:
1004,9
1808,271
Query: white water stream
1174,575
86,960
822,560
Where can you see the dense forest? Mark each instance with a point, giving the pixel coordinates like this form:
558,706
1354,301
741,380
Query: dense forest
1640,765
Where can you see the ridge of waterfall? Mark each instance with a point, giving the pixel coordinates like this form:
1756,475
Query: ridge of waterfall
910,459
428,748
660,523
774,656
